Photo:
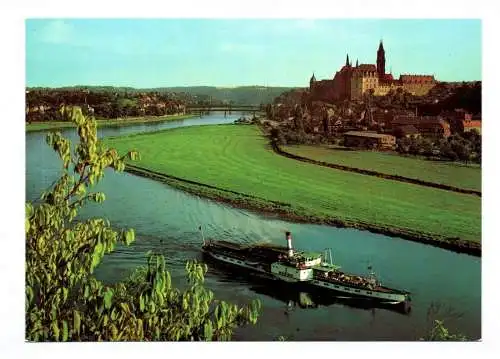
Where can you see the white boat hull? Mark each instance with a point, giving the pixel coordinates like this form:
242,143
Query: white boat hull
389,298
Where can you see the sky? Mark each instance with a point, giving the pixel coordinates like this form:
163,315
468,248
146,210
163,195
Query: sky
145,53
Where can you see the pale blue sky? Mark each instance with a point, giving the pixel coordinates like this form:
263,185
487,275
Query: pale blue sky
189,52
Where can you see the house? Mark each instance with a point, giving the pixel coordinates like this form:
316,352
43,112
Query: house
369,140
456,119
408,131
430,126
433,126
469,125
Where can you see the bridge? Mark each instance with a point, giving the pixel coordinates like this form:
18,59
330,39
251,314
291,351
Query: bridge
225,108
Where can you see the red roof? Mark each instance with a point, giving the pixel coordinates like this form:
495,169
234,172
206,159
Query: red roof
416,78
366,67
387,78
472,123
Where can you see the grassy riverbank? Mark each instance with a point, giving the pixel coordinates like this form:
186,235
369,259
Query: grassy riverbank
447,173
42,126
239,166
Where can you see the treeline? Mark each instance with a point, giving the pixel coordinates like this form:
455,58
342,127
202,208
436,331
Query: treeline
43,104
443,97
465,147
194,95
466,96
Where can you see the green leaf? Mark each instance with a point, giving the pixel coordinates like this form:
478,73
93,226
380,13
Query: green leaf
76,321
29,294
208,330
129,236
113,314
108,295
65,331
141,303
96,257
55,330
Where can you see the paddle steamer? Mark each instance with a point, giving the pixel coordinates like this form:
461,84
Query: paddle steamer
305,269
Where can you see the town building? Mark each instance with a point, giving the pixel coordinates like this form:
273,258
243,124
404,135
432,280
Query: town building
429,126
462,121
353,82
469,125
372,140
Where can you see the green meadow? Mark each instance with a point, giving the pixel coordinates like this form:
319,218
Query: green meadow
239,158
448,173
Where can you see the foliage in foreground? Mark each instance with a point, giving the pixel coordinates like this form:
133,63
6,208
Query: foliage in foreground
65,302
440,333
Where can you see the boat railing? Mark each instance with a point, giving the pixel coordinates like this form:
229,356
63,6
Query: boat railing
336,277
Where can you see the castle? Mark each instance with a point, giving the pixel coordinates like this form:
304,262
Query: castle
352,82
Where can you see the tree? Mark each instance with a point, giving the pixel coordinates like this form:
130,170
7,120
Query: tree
64,301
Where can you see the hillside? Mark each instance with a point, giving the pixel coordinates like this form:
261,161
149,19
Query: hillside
196,95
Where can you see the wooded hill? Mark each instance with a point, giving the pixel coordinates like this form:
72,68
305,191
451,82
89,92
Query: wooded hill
194,95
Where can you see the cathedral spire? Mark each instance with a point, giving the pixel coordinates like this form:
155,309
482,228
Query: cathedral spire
381,60
313,79
357,63
347,60
381,46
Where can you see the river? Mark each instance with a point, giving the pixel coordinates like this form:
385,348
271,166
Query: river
166,221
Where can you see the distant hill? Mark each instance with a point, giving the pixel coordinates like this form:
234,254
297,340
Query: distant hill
242,95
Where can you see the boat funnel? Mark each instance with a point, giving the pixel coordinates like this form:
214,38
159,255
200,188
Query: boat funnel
289,244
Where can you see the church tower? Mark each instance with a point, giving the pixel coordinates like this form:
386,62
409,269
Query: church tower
312,81
381,60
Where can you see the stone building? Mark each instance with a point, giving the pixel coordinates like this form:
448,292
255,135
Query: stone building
352,82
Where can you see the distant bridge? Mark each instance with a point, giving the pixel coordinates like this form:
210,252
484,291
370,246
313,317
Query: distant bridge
228,108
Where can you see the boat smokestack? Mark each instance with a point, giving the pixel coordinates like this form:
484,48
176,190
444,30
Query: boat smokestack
289,244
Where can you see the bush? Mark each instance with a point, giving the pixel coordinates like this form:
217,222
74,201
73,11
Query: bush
65,302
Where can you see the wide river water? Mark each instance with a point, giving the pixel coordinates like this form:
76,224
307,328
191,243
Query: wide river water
166,221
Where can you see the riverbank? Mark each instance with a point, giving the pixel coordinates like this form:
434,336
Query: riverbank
236,165
285,211
55,125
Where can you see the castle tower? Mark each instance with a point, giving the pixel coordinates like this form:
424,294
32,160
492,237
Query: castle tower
312,80
381,60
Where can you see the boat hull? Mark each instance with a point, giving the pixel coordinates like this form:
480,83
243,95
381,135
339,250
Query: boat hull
321,288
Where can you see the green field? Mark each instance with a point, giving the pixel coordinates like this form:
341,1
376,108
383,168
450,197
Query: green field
449,173
42,126
239,158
